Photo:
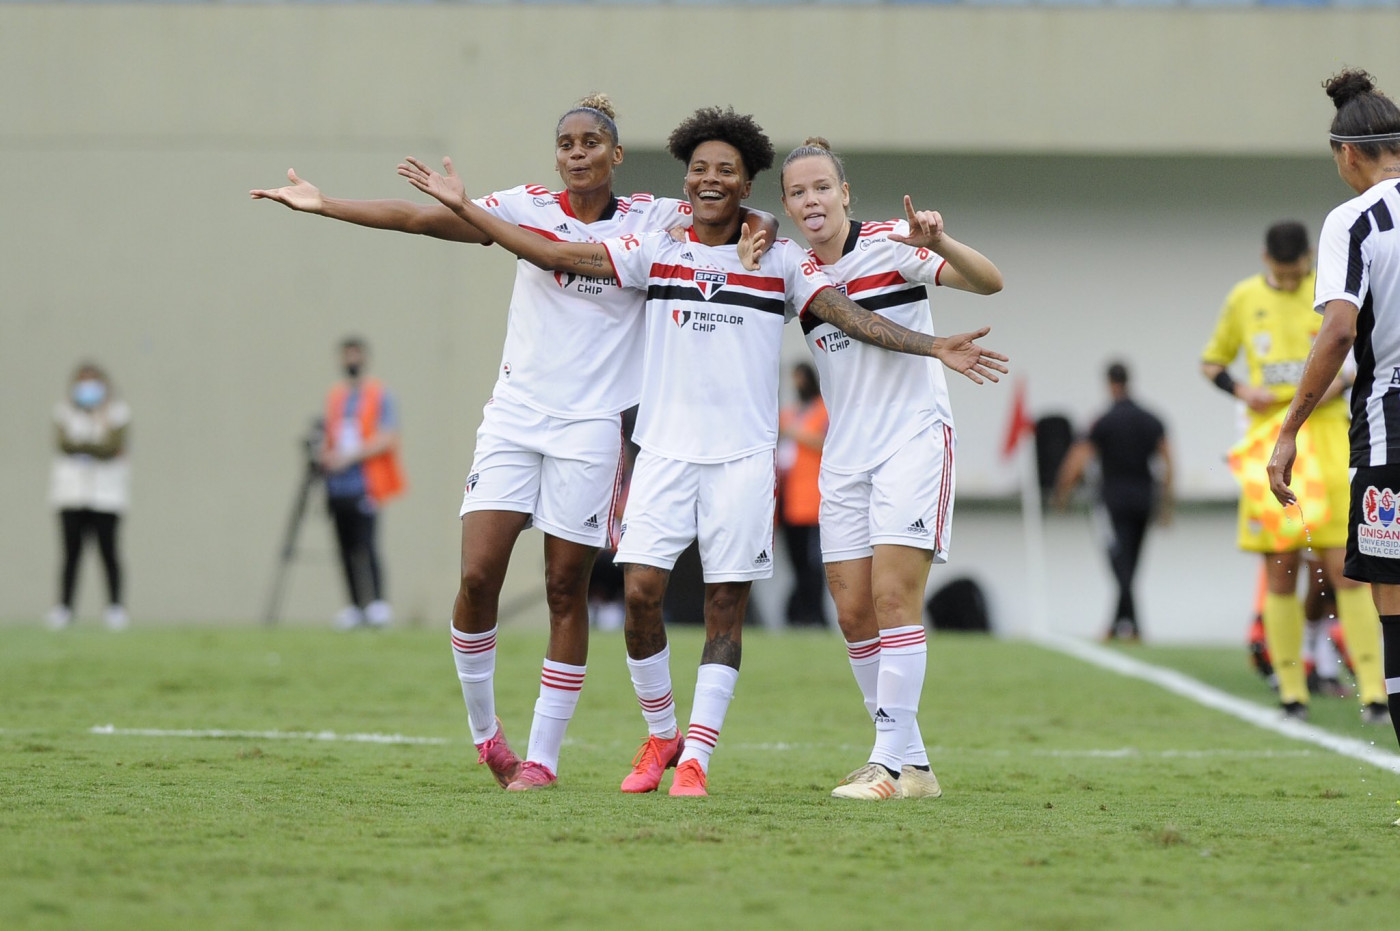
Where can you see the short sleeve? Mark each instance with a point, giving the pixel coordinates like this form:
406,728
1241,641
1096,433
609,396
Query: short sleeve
802,276
1225,341
915,263
631,256
1340,238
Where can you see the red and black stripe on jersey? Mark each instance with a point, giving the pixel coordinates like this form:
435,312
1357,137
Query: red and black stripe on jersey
678,284
870,291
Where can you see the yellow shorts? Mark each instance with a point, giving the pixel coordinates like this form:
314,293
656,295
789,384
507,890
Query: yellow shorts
1322,482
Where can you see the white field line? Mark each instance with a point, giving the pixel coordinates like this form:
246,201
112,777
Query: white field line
113,731
1270,719
1121,753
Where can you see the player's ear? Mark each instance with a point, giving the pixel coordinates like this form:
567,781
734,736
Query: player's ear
617,154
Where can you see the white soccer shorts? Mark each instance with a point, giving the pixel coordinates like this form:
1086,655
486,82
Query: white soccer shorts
564,473
907,500
728,506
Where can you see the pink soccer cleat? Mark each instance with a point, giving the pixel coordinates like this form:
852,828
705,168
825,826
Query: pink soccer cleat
532,776
499,757
690,779
657,755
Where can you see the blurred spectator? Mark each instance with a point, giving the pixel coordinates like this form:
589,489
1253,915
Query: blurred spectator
361,465
90,486
1127,442
802,429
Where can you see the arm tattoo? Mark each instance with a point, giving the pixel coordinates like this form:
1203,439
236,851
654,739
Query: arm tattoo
590,261
860,324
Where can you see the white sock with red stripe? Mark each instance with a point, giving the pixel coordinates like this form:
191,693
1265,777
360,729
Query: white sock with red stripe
903,660
865,666
560,685
475,655
651,680
714,690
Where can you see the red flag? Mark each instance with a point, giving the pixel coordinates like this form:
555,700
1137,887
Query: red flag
1021,422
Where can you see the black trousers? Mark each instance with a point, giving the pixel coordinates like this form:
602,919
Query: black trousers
79,525
1129,528
806,605
355,520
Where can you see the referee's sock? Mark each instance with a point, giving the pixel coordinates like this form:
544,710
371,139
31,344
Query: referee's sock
1283,635
1390,628
1357,612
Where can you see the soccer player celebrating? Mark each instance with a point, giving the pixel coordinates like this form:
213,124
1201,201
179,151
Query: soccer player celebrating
1358,293
1269,318
548,451
707,426
887,463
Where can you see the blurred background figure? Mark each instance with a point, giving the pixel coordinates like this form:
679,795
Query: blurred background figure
1134,458
802,428
90,486
361,465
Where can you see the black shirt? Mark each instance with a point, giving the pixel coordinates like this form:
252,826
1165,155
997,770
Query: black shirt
1127,438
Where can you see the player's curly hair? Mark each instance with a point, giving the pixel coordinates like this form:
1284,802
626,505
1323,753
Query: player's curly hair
813,145
1362,111
600,107
709,124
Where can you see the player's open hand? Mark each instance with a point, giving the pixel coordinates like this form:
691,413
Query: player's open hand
962,354
446,187
1281,469
299,195
925,227
752,245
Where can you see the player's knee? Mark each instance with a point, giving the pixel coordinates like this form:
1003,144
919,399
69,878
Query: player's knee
480,582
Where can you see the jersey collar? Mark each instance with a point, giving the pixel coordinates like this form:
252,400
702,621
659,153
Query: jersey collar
608,213
852,237
733,241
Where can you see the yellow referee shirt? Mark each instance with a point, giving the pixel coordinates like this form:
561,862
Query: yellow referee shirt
1275,330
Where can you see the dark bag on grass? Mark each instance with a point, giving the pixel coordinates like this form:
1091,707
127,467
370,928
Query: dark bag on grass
959,605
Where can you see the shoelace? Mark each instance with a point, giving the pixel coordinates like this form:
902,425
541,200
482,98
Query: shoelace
650,753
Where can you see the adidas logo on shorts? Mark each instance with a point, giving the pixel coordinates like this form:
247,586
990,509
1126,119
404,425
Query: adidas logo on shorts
592,522
917,527
762,559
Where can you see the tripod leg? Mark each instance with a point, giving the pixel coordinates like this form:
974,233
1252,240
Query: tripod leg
289,544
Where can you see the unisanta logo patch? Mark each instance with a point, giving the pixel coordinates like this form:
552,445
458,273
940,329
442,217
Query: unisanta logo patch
1378,506
709,282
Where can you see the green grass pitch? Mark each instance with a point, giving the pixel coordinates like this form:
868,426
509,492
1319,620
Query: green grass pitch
1074,798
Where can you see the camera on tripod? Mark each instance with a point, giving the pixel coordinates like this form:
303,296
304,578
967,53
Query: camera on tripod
312,441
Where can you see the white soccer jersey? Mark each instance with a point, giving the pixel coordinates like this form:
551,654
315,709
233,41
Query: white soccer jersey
714,333
878,399
574,342
1359,261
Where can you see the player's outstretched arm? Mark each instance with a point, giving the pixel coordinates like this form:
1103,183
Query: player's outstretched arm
1329,350
447,187
402,216
960,353
968,269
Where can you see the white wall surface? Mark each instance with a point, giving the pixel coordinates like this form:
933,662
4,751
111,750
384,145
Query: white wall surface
129,136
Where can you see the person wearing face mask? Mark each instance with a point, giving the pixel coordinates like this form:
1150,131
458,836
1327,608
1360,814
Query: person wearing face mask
90,486
359,458
1269,319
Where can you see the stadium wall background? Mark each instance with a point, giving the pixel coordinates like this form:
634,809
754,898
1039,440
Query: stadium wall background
1119,165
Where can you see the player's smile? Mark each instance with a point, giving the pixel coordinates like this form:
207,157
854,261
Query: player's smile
716,183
